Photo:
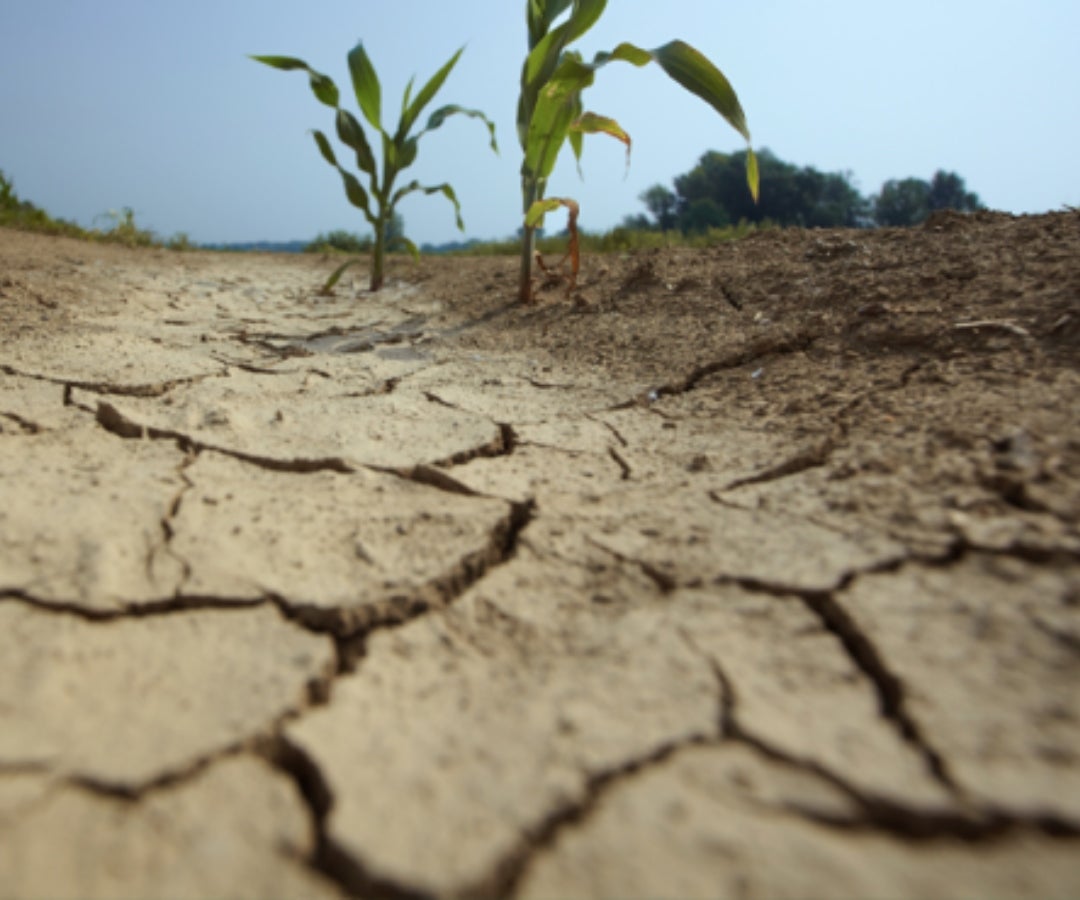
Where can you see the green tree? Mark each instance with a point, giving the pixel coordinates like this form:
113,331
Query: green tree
637,222
790,195
948,191
702,214
663,205
902,202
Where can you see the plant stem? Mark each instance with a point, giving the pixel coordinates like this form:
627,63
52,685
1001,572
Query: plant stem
525,276
531,190
378,252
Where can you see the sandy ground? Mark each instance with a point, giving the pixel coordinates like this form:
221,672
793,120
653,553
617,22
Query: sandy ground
748,572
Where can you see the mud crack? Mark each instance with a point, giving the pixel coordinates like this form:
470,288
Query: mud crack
136,609
167,531
753,352
329,859
153,389
872,812
510,871
890,689
26,426
502,444
114,421
350,627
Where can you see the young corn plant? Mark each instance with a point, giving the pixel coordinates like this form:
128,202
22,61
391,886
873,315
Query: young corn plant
551,111
379,199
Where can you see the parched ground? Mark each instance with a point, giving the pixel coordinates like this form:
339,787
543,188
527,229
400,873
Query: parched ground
745,572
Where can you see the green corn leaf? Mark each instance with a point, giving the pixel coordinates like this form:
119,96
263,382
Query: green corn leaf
358,197
404,243
352,135
542,14
407,95
692,69
366,86
682,63
389,155
427,94
406,153
322,86
577,146
549,132
324,148
285,63
336,276
559,104
545,55
443,189
753,176
548,52
355,192
436,119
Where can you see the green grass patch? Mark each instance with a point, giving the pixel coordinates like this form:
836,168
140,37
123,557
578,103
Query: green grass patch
123,229
618,240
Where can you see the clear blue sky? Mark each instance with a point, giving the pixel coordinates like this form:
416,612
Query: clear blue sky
152,105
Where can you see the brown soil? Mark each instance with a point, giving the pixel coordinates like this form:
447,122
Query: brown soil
750,571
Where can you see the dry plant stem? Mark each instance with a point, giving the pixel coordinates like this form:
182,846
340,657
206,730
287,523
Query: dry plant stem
573,252
528,242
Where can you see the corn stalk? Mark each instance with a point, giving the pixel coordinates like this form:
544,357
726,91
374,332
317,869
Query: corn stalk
380,198
551,110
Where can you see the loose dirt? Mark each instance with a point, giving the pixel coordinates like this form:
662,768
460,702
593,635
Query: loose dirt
750,572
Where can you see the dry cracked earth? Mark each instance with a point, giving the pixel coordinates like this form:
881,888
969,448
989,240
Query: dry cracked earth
745,572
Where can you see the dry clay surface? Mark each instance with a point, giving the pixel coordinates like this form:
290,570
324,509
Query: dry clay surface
749,572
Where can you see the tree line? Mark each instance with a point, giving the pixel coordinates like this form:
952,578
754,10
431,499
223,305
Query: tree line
713,195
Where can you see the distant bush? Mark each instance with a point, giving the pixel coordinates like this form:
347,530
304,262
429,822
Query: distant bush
25,216
340,241
22,214
621,239
125,231
180,241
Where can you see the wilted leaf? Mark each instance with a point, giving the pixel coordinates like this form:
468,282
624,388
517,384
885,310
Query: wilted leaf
591,123
536,215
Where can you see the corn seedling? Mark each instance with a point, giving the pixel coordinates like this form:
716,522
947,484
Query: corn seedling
551,111
378,201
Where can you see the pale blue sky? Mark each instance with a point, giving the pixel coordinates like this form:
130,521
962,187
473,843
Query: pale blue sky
111,103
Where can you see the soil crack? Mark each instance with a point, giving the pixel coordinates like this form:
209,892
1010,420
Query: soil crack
889,687
167,530
511,870
753,352
330,860
873,813
152,389
114,421
26,426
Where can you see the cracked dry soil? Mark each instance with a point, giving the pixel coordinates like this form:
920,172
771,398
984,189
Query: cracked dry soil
744,572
